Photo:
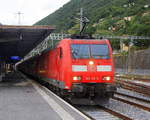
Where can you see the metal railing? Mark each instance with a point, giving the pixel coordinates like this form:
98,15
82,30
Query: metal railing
49,42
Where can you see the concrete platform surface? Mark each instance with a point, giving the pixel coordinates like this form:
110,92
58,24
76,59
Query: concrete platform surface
24,100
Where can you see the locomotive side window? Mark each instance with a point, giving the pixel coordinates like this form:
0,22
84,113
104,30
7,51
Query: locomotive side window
96,51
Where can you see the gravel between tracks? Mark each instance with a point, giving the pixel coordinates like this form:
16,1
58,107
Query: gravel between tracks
128,110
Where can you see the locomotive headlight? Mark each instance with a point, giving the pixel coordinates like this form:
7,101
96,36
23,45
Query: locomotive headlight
76,78
91,62
107,78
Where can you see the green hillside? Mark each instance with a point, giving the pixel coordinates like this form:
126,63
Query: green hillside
119,17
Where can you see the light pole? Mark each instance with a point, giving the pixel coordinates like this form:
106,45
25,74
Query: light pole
19,17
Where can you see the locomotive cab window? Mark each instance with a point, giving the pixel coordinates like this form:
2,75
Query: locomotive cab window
99,51
80,51
96,51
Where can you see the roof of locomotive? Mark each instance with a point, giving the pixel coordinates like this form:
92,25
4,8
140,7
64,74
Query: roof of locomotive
81,41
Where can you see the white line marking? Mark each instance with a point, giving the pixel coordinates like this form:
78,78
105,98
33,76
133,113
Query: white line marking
73,108
56,107
80,113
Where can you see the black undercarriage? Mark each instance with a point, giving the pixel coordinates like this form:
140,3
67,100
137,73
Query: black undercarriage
92,93
93,89
87,93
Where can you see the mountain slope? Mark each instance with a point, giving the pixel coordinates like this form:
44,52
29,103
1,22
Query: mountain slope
118,17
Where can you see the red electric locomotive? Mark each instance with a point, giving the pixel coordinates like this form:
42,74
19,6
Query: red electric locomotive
76,67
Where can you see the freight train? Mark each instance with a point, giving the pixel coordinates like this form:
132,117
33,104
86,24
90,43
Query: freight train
82,68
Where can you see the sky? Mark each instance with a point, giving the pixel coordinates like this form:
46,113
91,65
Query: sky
31,10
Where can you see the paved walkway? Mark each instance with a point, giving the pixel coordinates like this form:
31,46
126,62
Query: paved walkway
21,99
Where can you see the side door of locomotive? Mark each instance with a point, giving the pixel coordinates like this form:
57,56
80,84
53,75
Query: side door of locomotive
59,62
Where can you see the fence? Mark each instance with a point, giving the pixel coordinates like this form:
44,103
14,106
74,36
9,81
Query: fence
137,62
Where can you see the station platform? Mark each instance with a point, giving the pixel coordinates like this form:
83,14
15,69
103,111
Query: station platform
23,99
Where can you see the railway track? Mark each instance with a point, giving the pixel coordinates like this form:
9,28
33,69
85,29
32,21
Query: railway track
133,86
137,102
132,97
106,113
135,78
101,113
135,83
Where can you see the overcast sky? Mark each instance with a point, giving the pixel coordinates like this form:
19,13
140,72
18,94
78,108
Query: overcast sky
33,10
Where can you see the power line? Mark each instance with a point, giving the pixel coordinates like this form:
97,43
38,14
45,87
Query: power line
49,42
